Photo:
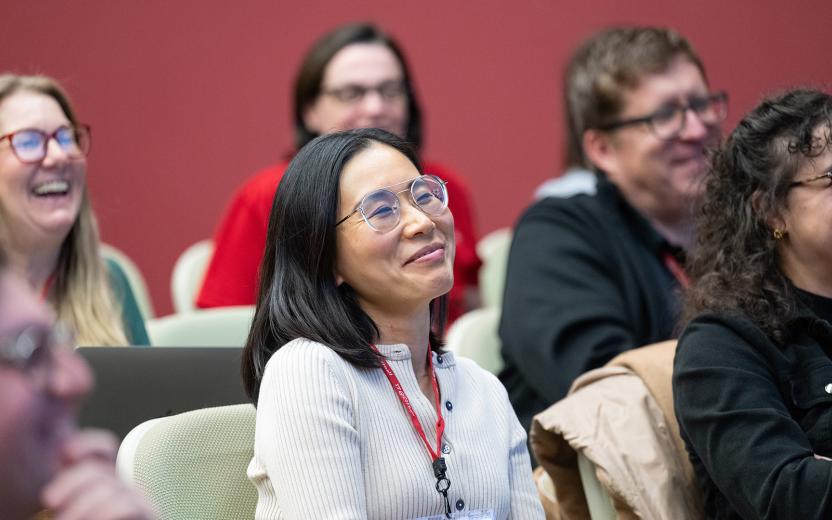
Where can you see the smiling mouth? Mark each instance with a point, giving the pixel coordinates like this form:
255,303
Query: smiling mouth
429,253
51,189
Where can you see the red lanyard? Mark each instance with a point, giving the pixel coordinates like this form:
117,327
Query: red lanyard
440,422
676,269
438,462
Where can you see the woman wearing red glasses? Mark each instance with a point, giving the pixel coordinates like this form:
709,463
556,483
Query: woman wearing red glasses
360,413
47,225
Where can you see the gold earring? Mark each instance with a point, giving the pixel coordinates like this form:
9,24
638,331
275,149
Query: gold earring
778,234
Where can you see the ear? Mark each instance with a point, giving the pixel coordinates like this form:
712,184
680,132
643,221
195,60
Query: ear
776,221
599,149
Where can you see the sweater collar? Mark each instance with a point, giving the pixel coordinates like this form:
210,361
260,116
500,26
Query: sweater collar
401,352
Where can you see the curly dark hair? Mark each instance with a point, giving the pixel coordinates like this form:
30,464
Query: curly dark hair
736,265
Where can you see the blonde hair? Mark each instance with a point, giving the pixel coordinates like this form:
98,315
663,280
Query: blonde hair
81,295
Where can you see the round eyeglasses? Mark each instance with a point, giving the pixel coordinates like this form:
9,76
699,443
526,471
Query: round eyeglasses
668,121
380,208
29,145
33,349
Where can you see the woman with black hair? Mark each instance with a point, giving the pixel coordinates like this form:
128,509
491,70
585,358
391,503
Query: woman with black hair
360,412
752,377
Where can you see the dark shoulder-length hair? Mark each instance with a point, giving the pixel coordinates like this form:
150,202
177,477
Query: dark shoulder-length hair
311,75
298,295
736,266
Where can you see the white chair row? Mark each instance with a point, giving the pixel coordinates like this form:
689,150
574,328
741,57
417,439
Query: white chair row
189,326
229,326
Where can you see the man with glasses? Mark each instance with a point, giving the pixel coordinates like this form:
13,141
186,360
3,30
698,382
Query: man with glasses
595,274
45,462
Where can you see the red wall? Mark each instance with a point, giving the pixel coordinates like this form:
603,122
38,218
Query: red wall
187,98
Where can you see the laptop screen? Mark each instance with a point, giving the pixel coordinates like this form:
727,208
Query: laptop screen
133,385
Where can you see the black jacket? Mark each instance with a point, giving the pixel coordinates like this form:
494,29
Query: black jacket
754,413
586,280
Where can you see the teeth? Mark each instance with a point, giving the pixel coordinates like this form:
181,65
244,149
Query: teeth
52,187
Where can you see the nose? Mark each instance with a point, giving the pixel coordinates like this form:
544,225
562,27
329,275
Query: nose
415,221
372,104
55,155
694,128
70,378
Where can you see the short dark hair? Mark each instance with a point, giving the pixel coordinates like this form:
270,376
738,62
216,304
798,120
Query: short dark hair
736,267
298,294
603,67
311,74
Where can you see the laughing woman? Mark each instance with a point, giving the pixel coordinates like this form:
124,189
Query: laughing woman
46,223
752,379
360,412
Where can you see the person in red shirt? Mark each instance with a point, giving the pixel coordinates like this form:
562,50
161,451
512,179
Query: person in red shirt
353,77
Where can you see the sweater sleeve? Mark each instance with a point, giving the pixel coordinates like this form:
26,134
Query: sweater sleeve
563,310
733,418
306,438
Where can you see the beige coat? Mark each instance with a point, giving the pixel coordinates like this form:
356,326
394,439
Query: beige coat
621,418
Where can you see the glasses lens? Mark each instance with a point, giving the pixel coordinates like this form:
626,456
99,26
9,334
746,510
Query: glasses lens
668,121
348,93
28,145
429,194
381,210
391,90
713,109
67,138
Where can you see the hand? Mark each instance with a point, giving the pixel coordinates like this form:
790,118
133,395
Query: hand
87,486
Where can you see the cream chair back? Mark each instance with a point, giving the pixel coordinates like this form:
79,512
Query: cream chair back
193,465
217,327
188,273
493,251
474,335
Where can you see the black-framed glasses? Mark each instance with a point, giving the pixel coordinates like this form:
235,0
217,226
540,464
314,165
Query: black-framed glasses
380,208
825,175
390,90
32,350
29,145
668,121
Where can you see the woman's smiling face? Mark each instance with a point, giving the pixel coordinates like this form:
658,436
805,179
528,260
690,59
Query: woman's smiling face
39,201
403,268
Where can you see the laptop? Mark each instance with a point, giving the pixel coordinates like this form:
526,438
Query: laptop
135,384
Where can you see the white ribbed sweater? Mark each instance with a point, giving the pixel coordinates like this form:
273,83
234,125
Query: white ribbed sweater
334,442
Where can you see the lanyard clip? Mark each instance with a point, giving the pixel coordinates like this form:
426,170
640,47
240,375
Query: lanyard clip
440,467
